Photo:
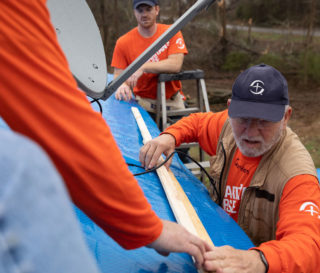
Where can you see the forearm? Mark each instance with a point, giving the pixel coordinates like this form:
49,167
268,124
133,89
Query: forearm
296,248
295,254
185,130
117,72
200,127
172,64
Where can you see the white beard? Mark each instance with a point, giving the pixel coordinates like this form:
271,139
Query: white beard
265,146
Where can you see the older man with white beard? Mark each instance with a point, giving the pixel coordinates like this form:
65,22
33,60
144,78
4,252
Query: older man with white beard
264,177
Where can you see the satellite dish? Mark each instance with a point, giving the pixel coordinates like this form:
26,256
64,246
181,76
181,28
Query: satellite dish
80,39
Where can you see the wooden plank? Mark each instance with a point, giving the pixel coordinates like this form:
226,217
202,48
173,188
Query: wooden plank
181,206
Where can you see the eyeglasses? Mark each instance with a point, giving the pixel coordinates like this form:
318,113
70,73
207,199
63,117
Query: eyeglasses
260,123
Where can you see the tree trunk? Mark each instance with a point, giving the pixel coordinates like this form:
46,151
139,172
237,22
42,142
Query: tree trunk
309,38
222,16
311,22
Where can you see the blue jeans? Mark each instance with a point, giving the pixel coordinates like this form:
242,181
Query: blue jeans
38,229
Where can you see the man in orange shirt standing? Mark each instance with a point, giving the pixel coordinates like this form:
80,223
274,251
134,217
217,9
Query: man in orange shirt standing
264,177
168,59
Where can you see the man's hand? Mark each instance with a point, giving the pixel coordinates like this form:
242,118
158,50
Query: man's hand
226,259
133,79
123,92
152,150
175,238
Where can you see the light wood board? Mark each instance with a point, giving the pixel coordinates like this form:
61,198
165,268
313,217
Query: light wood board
181,206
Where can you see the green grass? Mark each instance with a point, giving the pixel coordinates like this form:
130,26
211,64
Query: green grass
274,37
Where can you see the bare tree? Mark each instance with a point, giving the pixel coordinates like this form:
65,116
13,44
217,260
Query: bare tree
223,21
311,22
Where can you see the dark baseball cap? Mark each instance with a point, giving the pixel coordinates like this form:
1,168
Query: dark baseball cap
151,3
259,92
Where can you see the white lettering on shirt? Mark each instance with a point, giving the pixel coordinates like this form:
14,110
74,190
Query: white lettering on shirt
155,57
232,198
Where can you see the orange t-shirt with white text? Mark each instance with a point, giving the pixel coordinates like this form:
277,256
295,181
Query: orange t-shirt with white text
132,44
240,174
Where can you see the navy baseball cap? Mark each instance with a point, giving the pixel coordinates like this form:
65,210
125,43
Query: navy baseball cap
259,92
151,3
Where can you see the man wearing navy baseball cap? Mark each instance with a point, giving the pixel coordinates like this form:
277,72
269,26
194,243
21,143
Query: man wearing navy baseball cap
264,177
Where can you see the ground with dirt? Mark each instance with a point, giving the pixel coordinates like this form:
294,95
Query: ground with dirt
305,120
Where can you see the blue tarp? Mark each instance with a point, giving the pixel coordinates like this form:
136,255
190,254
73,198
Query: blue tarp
221,228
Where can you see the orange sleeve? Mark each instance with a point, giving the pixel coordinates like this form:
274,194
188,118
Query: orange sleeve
119,59
297,245
204,128
177,44
40,99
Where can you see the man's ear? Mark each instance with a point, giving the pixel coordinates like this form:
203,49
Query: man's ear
228,102
287,115
157,8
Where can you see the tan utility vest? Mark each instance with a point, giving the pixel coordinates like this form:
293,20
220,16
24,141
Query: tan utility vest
258,212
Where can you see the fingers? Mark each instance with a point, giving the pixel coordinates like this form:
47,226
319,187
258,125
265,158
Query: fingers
175,238
150,154
197,255
123,93
228,259
211,263
143,154
197,251
133,79
168,153
152,150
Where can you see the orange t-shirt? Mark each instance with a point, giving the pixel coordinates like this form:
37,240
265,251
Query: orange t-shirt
132,44
240,174
40,99
296,248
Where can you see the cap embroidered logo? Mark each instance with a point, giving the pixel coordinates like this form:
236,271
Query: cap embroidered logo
257,87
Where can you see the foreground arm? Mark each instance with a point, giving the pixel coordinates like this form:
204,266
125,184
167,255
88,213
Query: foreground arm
39,98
